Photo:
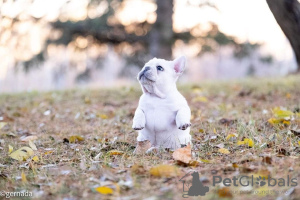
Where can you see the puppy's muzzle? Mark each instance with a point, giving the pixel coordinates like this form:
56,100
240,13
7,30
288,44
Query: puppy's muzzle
143,72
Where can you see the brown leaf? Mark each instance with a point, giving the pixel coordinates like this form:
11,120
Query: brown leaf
267,160
183,154
282,152
138,169
296,132
227,122
164,171
225,192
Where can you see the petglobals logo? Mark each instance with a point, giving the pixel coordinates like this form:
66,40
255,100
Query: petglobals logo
193,186
259,181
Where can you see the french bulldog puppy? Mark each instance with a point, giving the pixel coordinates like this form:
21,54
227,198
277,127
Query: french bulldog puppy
163,115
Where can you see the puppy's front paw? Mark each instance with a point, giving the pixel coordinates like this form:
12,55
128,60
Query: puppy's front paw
138,126
184,126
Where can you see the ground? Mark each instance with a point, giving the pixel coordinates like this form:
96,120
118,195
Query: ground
85,142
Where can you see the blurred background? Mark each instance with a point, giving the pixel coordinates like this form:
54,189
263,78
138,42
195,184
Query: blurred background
62,44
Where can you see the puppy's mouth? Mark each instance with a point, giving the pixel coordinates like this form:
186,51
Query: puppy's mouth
145,79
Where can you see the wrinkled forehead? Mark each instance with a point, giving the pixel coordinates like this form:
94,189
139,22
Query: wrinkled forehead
156,62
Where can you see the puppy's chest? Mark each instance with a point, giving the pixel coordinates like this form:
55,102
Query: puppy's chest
160,117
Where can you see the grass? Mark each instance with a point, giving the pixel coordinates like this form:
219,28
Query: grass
104,117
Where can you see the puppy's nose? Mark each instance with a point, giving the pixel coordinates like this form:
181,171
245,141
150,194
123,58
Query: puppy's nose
146,69
143,72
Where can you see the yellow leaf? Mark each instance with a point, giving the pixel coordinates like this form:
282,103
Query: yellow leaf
164,171
196,90
35,159
205,161
274,121
215,131
299,142
200,99
104,190
48,152
232,135
10,149
115,152
22,154
24,179
87,100
288,95
282,113
2,124
223,151
103,116
32,145
194,163
235,165
75,138
247,141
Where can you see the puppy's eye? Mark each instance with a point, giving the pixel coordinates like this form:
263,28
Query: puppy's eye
160,68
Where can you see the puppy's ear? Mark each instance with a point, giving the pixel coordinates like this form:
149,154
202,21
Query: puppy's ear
179,64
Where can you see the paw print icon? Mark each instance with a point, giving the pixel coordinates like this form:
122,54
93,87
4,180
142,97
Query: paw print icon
261,181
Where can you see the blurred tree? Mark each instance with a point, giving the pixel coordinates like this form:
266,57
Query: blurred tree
135,41
287,15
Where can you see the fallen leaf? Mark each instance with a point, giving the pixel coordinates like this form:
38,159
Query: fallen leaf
224,151
227,122
142,147
183,154
225,192
267,160
282,152
164,171
115,152
194,163
32,145
35,158
75,138
205,161
23,176
247,142
22,154
200,99
275,121
87,100
103,116
296,132
104,190
2,124
48,152
235,165
231,136
10,149
279,113
138,169
28,138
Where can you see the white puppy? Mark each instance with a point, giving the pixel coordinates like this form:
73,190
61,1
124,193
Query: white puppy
163,115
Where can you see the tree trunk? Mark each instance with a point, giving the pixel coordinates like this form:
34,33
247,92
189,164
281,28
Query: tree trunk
161,35
287,15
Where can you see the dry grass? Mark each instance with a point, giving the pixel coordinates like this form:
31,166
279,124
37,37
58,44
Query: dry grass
104,117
